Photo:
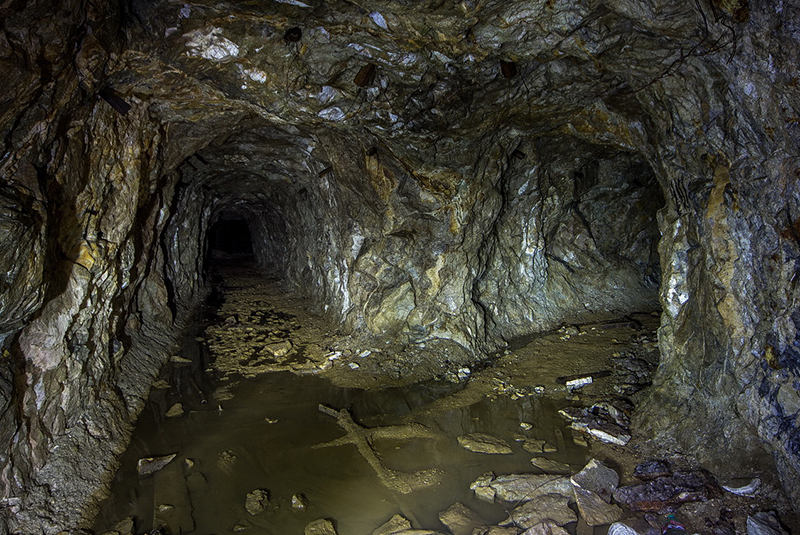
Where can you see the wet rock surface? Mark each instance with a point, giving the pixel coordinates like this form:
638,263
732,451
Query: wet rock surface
442,177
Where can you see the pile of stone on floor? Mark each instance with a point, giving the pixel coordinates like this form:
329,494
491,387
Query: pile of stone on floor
545,504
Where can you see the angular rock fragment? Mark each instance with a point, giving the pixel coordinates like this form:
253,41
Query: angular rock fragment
242,525
174,411
552,507
650,470
548,527
524,487
280,349
299,502
257,501
593,487
600,426
320,526
550,466
483,487
149,465
484,443
496,530
664,493
579,439
460,519
598,478
396,524
764,523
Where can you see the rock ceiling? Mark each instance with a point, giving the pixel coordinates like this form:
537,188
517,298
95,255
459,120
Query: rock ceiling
450,172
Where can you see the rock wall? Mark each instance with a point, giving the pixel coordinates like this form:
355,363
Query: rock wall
426,173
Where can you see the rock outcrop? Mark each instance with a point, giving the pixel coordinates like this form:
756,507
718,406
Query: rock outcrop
453,174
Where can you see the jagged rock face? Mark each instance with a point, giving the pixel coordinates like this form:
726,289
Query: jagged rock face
623,152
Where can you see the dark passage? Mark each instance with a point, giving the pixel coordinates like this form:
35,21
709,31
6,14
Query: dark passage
230,238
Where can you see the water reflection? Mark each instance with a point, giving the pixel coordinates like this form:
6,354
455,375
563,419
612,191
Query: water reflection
264,438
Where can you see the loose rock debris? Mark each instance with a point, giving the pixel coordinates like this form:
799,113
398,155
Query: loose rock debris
267,338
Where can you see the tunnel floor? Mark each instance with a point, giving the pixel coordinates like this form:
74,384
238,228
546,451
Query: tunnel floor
277,420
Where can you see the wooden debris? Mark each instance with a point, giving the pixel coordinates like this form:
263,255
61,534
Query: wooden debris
363,438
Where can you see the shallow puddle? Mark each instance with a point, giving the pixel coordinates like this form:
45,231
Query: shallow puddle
245,427
265,438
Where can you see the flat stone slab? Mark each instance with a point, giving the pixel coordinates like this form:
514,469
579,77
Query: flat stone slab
597,478
593,487
520,487
548,507
484,443
395,525
534,445
550,466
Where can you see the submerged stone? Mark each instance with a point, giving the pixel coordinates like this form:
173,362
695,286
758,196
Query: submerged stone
550,466
533,445
484,443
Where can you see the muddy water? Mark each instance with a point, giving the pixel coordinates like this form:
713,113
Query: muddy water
265,438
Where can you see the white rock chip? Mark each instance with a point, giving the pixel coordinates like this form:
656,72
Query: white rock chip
211,45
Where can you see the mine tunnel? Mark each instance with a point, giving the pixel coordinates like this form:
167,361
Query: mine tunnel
230,236
474,267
